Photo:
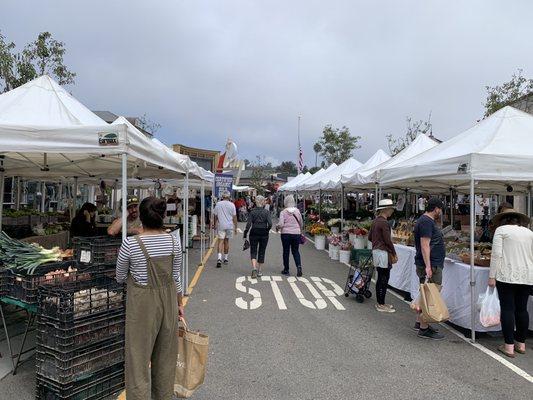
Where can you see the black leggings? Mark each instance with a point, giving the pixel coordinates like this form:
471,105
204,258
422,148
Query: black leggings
513,304
381,284
291,243
258,245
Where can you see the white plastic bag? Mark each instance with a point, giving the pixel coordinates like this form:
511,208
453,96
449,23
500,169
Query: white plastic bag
489,304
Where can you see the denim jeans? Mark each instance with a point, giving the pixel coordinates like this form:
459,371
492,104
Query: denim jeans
291,242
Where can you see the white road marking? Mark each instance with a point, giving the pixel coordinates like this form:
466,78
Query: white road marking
275,289
240,302
319,302
299,295
330,294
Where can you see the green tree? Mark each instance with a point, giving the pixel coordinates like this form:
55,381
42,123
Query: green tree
314,169
506,93
259,175
287,167
317,148
43,56
337,145
413,129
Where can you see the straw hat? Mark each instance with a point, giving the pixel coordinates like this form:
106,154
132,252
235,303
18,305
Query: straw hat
522,218
385,203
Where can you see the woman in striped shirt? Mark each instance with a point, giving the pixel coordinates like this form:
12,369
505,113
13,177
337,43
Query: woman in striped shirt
150,263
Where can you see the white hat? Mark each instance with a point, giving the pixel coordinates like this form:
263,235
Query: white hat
385,203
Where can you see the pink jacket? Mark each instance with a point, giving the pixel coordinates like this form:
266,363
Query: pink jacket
288,223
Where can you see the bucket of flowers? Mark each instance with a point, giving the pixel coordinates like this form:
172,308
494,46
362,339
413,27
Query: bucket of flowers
335,225
319,231
345,249
333,249
358,237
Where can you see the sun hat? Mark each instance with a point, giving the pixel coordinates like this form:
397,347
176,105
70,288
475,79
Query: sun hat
385,203
523,219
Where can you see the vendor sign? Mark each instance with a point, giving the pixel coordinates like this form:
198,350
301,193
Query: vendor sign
222,183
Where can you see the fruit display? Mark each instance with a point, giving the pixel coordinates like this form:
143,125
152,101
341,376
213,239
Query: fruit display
403,234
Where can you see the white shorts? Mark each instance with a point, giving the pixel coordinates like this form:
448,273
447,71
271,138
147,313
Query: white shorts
225,234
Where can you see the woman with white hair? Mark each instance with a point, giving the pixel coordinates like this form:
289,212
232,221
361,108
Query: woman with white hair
259,224
291,223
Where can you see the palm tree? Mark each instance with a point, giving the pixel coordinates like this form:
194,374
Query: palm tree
317,148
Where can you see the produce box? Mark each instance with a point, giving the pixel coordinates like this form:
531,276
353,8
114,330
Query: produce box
95,387
96,250
67,367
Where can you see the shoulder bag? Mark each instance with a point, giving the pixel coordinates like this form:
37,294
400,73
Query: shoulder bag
303,239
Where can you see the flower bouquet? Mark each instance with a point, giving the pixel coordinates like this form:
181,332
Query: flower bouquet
319,231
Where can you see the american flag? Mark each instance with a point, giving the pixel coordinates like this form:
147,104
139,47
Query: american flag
300,159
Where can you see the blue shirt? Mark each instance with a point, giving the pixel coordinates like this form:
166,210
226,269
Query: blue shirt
427,228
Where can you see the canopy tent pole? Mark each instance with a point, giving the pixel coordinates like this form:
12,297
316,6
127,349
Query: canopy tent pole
529,201
376,195
60,197
43,195
124,196
342,207
472,275
202,221
407,204
75,197
451,207
114,196
17,204
2,184
185,244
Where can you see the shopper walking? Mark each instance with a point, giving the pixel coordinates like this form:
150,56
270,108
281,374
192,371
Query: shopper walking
383,252
151,265
429,258
225,223
259,225
291,224
511,272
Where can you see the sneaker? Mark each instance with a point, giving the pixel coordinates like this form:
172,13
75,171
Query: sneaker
254,274
384,308
285,272
226,261
219,263
389,306
299,273
430,334
416,327
259,274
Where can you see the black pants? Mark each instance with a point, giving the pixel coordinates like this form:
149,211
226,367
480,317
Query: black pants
513,304
381,284
258,245
290,243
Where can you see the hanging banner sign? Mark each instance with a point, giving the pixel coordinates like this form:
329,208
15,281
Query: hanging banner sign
223,183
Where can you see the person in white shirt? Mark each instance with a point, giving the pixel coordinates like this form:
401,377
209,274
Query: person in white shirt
226,225
511,272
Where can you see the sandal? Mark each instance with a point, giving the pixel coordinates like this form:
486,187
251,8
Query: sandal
501,349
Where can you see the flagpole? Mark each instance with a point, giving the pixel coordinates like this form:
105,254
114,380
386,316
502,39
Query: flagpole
299,147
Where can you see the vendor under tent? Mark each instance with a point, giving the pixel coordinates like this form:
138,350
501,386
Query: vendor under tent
494,156
287,187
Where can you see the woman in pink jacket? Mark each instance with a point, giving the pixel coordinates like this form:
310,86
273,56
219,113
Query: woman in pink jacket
291,223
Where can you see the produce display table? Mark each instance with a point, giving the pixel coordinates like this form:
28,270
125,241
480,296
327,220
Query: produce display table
60,240
455,286
31,311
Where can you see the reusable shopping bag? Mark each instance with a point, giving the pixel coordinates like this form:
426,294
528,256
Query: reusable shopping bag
191,363
489,304
431,304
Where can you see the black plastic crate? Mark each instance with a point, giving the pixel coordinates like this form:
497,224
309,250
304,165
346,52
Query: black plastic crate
96,249
98,270
78,364
24,287
63,338
5,280
81,300
97,386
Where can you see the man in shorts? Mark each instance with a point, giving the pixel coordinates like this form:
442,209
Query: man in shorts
429,258
226,225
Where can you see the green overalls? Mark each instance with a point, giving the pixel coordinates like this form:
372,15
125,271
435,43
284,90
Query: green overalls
151,330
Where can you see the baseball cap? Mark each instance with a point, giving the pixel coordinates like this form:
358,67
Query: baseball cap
132,201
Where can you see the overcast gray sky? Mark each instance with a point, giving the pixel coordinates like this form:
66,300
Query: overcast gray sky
208,70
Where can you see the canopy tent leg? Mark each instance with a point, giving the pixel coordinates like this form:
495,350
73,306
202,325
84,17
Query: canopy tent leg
43,195
451,207
376,196
342,208
202,221
74,197
529,205
407,204
185,244
320,204
17,199
124,196
472,275
114,196
2,184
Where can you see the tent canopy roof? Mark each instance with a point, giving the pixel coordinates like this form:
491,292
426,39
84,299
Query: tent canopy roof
332,178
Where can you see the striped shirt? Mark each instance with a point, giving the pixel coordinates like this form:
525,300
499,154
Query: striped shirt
131,259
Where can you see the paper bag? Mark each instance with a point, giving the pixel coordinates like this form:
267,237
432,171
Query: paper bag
431,304
191,363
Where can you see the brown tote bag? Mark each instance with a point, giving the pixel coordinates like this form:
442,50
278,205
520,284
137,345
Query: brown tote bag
192,360
431,304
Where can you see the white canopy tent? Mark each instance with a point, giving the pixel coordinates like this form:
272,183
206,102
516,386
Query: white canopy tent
495,155
369,176
331,179
379,157
293,182
314,179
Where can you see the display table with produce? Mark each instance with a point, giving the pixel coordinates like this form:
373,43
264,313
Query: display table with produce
455,286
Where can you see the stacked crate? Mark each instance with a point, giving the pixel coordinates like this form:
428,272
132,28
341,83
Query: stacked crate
80,340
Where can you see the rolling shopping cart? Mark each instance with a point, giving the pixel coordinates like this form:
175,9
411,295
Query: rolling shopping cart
360,275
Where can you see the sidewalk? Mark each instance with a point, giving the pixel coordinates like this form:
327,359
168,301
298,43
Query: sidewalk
273,344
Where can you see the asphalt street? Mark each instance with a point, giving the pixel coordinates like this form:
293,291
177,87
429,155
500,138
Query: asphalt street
259,350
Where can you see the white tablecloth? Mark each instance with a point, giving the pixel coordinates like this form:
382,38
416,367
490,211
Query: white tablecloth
455,286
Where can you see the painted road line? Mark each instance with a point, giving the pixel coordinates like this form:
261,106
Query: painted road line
275,290
240,302
198,273
517,370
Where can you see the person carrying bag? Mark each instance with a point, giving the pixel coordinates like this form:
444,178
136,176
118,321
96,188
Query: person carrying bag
192,360
432,305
